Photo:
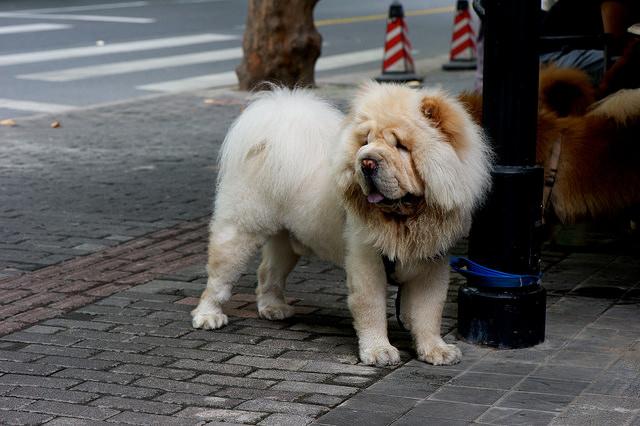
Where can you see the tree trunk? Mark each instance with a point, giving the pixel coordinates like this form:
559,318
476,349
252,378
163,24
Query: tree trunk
281,44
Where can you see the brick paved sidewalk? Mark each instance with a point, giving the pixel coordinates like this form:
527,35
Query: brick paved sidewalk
106,338
133,357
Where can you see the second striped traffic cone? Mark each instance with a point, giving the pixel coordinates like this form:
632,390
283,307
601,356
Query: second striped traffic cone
397,63
463,45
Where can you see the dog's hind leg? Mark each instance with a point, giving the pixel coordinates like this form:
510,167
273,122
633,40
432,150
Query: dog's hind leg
229,250
278,259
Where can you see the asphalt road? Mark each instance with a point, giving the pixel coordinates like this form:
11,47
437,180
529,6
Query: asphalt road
69,54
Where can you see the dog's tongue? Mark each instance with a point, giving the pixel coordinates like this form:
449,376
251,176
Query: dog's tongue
375,197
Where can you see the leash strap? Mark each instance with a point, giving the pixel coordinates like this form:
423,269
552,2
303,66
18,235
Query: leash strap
550,176
482,276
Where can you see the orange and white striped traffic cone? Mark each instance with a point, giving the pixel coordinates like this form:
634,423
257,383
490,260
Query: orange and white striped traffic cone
397,63
463,45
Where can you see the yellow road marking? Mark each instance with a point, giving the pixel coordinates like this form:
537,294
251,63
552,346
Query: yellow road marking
419,12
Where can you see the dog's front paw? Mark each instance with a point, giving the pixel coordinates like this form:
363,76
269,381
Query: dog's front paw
440,354
380,355
276,312
208,320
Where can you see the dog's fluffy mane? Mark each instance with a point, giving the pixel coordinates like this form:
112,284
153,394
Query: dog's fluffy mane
454,166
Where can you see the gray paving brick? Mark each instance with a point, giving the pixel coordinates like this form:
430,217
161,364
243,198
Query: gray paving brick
209,367
507,416
70,421
108,336
275,334
166,373
326,400
27,368
189,353
53,394
116,390
11,403
238,416
248,393
216,379
69,323
315,388
47,382
278,364
352,380
344,416
97,376
132,358
47,339
164,331
469,395
335,368
96,309
447,410
89,364
58,350
486,380
177,386
545,385
128,404
567,372
271,406
535,401
23,418
198,400
166,341
42,329
17,356
114,346
132,320
219,336
288,375
71,410
503,367
366,401
278,419
134,418
242,349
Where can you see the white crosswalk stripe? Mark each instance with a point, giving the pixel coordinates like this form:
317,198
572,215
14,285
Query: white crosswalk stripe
132,46
90,18
20,105
32,28
229,78
102,6
135,66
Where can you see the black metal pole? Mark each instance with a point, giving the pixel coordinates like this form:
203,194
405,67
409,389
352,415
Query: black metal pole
506,232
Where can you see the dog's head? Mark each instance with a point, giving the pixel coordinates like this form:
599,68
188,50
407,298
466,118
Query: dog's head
413,149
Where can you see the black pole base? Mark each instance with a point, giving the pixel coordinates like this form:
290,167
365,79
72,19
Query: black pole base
509,319
460,65
399,77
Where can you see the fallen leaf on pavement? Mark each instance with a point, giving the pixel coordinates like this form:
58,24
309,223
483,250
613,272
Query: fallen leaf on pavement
55,124
8,122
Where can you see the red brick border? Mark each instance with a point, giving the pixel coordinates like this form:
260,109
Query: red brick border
51,291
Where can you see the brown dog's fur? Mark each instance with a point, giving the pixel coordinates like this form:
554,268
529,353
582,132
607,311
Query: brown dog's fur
598,172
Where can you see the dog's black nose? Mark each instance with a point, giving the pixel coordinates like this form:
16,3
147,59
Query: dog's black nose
368,166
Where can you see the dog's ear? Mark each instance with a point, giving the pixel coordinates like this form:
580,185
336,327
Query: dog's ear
446,116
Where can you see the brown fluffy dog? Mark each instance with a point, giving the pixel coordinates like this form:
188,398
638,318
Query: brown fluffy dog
597,169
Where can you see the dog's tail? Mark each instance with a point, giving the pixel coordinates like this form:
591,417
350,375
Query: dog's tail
565,91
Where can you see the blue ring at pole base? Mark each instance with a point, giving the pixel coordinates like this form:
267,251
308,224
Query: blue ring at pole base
460,65
398,77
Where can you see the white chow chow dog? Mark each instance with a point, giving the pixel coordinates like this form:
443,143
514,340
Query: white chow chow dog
399,176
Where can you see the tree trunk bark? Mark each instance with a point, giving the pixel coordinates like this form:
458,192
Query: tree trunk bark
281,44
